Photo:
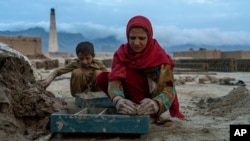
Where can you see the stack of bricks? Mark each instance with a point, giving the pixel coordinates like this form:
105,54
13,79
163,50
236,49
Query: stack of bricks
67,61
194,67
243,65
221,65
107,62
51,64
39,64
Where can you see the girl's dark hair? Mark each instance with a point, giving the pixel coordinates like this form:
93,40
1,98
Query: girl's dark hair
85,48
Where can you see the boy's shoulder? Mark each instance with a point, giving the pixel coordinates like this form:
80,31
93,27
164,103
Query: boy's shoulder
98,61
98,64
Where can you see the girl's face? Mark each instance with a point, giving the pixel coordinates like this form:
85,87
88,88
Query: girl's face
85,59
137,39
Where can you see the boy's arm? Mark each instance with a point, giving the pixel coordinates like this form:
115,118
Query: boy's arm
68,68
71,66
100,65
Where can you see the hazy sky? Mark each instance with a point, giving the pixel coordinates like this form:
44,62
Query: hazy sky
175,22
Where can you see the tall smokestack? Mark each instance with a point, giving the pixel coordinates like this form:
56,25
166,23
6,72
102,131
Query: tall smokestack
53,44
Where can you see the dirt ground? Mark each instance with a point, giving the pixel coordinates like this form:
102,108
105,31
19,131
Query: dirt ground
210,108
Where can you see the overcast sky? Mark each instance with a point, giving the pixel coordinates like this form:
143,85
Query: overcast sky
175,22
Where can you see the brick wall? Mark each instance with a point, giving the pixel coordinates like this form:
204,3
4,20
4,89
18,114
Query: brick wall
232,54
198,54
212,54
25,45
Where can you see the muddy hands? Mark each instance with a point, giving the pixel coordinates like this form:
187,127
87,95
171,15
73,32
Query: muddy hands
146,107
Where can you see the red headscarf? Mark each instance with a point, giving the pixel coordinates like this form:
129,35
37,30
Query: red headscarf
153,55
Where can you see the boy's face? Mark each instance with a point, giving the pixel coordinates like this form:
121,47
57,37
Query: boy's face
85,59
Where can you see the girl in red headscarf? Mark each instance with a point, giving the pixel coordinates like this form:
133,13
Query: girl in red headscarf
141,80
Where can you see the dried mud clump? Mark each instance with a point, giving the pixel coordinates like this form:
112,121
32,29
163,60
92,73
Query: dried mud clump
235,103
25,107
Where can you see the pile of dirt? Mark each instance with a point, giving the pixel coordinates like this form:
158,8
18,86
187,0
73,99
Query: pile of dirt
235,103
25,107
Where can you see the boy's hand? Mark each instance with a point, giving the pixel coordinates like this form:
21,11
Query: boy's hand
45,83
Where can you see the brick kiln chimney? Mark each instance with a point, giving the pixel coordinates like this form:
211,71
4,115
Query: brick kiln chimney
53,44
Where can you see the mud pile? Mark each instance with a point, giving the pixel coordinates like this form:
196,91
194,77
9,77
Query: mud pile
25,107
235,103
